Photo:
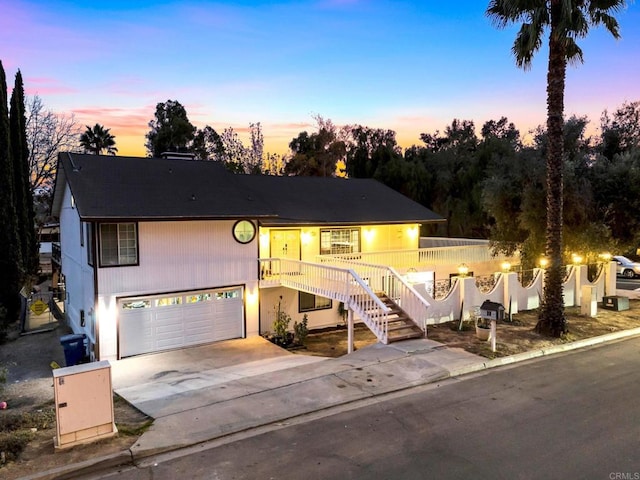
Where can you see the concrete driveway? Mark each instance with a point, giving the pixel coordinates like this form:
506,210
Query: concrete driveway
169,382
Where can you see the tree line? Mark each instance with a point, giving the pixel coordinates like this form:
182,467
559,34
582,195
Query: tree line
18,243
488,184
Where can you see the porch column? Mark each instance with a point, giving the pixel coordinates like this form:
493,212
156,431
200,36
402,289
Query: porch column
511,288
349,331
610,278
582,278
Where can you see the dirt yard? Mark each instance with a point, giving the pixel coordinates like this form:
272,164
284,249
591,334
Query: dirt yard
28,391
30,417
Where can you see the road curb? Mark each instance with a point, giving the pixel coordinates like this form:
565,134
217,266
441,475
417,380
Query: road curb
126,457
73,470
543,352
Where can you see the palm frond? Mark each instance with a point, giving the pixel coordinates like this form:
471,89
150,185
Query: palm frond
573,52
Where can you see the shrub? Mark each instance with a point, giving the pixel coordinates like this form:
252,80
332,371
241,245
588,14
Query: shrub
281,323
301,330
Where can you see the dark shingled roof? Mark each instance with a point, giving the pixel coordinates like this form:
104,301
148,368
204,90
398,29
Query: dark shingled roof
108,187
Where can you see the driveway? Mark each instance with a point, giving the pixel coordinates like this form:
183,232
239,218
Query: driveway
166,383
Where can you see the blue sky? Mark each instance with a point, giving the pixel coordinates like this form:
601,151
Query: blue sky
409,66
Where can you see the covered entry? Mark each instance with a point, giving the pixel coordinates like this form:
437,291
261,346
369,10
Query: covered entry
163,322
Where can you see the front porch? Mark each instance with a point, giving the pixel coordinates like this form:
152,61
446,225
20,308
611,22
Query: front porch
398,294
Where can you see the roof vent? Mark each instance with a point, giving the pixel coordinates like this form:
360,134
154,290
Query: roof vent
178,155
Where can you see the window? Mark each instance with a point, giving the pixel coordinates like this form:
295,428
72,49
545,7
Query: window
118,244
90,244
136,304
168,301
228,294
340,240
308,302
200,297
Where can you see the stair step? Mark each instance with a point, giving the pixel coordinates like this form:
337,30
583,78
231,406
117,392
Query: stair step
404,326
406,336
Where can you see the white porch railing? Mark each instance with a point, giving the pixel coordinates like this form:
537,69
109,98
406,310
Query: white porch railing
344,285
385,279
347,279
423,257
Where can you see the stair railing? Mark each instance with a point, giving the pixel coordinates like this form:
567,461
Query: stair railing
341,284
386,279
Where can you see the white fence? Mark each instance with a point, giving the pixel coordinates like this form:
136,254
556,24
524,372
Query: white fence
465,295
348,279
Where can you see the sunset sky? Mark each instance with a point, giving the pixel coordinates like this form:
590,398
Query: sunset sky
409,66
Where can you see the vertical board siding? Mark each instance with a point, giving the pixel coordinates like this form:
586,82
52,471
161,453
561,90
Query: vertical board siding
176,256
78,274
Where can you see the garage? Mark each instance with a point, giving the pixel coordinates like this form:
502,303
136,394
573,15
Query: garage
163,322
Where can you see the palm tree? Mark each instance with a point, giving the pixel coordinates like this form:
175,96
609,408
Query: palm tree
565,21
95,140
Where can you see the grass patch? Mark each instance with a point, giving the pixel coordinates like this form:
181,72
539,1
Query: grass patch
133,430
18,429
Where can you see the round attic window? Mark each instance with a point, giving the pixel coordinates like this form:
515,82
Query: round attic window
244,231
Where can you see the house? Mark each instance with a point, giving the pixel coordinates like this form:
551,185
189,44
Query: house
163,253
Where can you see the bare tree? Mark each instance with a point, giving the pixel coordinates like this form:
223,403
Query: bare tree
47,134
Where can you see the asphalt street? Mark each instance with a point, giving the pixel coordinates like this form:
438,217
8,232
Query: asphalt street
628,283
573,415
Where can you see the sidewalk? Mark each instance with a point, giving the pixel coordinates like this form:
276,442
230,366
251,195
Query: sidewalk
226,396
251,400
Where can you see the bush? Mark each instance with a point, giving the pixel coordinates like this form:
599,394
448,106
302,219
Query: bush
12,444
301,330
281,324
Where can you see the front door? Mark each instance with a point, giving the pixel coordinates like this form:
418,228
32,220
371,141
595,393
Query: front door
285,244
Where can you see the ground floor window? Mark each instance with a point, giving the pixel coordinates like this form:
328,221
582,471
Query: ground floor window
308,302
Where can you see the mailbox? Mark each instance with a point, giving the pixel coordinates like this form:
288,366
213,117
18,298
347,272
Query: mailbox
492,310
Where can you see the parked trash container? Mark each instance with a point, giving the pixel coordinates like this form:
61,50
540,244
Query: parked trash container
74,350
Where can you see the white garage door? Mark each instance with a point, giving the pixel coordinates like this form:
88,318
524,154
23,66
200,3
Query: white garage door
162,322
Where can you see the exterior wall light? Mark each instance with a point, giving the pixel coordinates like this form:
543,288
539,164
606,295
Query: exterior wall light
368,234
463,270
576,259
305,237
506,267
543,262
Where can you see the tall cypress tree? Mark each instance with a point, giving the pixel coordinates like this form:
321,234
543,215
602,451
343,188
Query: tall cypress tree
22,188
10,257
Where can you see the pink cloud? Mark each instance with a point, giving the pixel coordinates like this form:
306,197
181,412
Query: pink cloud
121,121
46,86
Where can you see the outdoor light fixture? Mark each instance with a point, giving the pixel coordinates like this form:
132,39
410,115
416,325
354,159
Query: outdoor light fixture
576,259
606,256
368,234
463,270
543,262
306,238
506,266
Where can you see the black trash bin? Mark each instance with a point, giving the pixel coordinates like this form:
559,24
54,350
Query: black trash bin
74,351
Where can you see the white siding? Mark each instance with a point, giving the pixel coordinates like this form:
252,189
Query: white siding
269,298
180,256
78,273
177,257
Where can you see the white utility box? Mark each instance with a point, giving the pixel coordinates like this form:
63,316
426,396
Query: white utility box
84,404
